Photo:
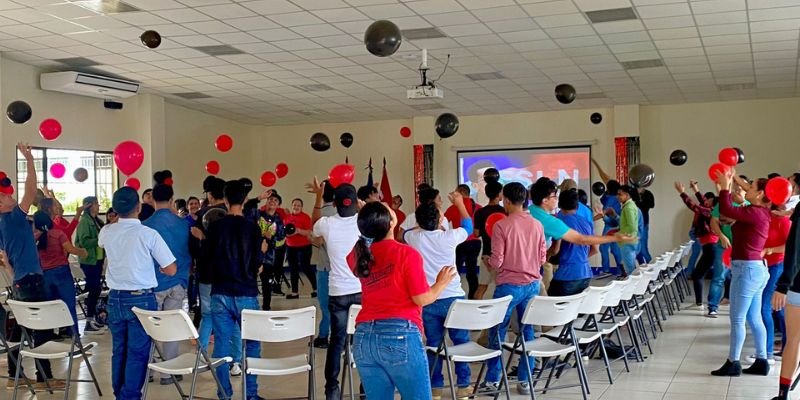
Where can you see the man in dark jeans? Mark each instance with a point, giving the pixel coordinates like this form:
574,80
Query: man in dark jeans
468,251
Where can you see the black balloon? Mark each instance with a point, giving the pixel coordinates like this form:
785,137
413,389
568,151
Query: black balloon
596,118
491,175
320,142
741,155
290,229
446,125
80,174
598,188
641,176
346,139
5,182
383,38
678,158
565,93
18,112
151,39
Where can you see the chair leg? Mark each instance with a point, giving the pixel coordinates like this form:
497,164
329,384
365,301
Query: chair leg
605,360
504,375
146,383
450,377
581,372
244,370
91,371
625,354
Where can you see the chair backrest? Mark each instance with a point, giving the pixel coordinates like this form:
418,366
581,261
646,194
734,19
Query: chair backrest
676,257
474,315
352,314
614,293
166,326
595,297
41,315
646,276
77,272
553,310
279,326
627,292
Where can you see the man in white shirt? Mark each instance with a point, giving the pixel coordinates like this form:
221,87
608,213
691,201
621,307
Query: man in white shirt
426,194
795,198
340,233
131,249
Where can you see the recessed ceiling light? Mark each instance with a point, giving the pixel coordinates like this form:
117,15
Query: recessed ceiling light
485,76
220,50
640,64
192,95
736,86
425,107
106,6
77,62
611,15
590,96
422,33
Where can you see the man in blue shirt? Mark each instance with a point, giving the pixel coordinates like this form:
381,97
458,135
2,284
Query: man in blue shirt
611,211
583,210
171,290
574,271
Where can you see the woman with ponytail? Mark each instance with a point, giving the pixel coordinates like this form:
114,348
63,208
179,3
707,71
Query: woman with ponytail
388,347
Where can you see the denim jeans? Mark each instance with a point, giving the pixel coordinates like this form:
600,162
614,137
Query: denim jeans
521,295
192,292
629,252
206,323
644,256
568,288
717,286
433,316
696,249
339,306
29,288
389,354
771,318
322,297
299,259
606,258
94,286
59,285
170,299
227,316
749,279
131,345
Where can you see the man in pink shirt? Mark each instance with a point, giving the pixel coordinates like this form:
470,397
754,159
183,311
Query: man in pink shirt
518,253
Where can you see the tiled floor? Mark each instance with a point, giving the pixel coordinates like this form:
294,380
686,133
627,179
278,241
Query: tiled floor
690,347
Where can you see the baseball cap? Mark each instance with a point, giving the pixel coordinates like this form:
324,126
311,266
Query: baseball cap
567,184
125,200
346,200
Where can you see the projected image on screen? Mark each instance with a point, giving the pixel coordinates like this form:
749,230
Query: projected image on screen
525,166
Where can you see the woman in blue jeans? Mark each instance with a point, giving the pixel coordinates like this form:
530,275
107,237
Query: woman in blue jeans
749,272
387,346
779,227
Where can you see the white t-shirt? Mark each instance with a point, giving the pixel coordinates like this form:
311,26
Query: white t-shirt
438,249
340,235
130,249
792,203
411,223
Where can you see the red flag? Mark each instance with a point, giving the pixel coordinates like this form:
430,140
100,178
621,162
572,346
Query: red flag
386,189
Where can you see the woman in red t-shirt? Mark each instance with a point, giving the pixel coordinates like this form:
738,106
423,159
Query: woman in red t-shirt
779,227
388,347
54,246
297,225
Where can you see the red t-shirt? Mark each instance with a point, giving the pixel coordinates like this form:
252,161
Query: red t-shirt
778,234
401,216
62,224
395,277
54,255
300,221
454,216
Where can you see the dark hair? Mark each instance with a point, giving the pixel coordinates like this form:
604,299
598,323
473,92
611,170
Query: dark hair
423,186
744,178
463,189
111,210
568,200
711,196
374,222
298,199
542,189
365,191
162,193
627,189
612,186
235,193
427,215
472,171
773,175
43,223
428,195
327,192
191,198
795,177
583,197
397,196
47,205
493,190
146,191
214,186
89,200
276,196
181,204
515,193
761,185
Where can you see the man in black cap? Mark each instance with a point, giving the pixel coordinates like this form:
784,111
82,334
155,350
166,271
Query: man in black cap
131,249
340,233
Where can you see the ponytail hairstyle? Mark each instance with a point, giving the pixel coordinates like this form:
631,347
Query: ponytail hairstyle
42,223
374,223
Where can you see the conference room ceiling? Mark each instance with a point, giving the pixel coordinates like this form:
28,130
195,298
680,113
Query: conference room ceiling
303,61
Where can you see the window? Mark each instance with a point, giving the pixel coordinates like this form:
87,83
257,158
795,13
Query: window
101,182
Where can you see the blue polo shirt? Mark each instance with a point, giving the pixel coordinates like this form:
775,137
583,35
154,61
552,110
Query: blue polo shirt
573,258
175,232
612,202
583,211
16,239
553,227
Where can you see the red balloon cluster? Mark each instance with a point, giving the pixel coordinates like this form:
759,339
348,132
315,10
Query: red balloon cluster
50,129
281,170
342,173
268,179
729,156
224,143
212,167
493,220
718,167
58,170
133,183
128,156
778,190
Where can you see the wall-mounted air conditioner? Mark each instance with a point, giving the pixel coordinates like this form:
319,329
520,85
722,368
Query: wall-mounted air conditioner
88,85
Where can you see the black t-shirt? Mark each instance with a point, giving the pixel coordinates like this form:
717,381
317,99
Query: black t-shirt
479,222
196,247
645,201
146,211
234,251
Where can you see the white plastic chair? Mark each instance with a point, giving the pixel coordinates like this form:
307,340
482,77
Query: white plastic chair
176,326
279,327
50,315
551,311
473,315
633,316
5,313
347,372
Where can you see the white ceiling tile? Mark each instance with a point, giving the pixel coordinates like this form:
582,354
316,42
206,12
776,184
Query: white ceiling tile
479,40
184,15
638,55
24,31
154,4
631,47
140,18
353,27
226,11
678,43
385,11
209,27
721,18
570,31
770,14
627,37
674,33
453,18
696,51
26,16
579,41
670,22
61,26
728,49
522,36
757,4
724,29
317,30
594,5
66,11
195,40
434,6
466,30
296,19
773,36
716,6
297,44
497,13
663,10
511,25
339,14
619,26
776,25
272,35
561,20
550,8
270,7
726,39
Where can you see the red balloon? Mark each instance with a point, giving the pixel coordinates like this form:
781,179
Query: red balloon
133,183
729,156
224,143
493,220
3,175
268,179
281,170
726,256
719,167
778,190
9,190
129,156
212,167
405,131
58,170
50,129
342,173
168,181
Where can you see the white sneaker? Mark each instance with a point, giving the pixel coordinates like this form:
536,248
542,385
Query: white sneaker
236,369
752,358
700,307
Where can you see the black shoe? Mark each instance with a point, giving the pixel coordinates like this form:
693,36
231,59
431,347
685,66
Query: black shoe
276,291
169,380
759,367
313,294
333,394
321,343
292,296
730,368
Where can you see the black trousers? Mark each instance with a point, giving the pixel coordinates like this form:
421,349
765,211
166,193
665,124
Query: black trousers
299,259
704,264
339,306
28,288
467,254
272,275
